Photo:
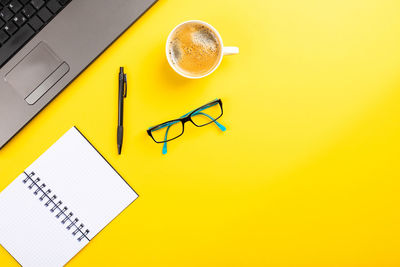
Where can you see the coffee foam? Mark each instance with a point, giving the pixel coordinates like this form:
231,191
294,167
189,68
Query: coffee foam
194,49
205,39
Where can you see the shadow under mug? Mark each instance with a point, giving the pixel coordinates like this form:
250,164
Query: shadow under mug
226,50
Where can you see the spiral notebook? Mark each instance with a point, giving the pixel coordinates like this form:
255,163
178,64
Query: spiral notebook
59,203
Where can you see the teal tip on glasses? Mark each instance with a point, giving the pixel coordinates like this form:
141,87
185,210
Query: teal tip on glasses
222,127
164,149
200,117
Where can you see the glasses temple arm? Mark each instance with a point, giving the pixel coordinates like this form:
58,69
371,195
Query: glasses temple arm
164,150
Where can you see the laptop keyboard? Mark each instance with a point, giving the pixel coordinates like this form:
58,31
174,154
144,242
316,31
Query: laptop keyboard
21,20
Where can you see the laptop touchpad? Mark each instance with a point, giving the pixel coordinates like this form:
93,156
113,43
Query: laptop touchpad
36,73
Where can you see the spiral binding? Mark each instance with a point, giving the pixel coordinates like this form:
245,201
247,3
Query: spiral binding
40,189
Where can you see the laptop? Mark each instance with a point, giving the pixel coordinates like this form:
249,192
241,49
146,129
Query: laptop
46,44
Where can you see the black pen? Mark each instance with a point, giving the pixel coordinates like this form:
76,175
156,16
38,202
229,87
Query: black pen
122,91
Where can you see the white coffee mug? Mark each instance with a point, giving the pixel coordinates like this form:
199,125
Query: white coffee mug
227,50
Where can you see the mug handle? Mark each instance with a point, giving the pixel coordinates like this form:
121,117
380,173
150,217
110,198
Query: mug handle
230,50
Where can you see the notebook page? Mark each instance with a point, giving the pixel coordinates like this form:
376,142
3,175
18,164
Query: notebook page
30,232
84,181
87,186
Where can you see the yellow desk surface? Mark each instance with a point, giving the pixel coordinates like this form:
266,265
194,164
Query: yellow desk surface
307,173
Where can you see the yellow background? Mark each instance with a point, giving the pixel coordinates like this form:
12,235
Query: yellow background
308,172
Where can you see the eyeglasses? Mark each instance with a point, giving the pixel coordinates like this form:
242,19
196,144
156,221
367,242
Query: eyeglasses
200,117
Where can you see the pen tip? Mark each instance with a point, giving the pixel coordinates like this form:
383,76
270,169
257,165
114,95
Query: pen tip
119,150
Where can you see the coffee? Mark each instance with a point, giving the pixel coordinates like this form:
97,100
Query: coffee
194,49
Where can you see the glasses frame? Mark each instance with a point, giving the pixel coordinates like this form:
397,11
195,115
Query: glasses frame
185,118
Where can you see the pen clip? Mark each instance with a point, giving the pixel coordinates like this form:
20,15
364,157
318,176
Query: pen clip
125,86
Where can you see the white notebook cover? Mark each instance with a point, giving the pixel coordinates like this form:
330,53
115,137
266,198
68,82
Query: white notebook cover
86,184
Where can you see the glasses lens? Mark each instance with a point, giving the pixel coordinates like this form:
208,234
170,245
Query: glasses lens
167,131
207,114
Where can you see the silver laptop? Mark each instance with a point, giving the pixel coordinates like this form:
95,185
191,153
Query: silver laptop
45,44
